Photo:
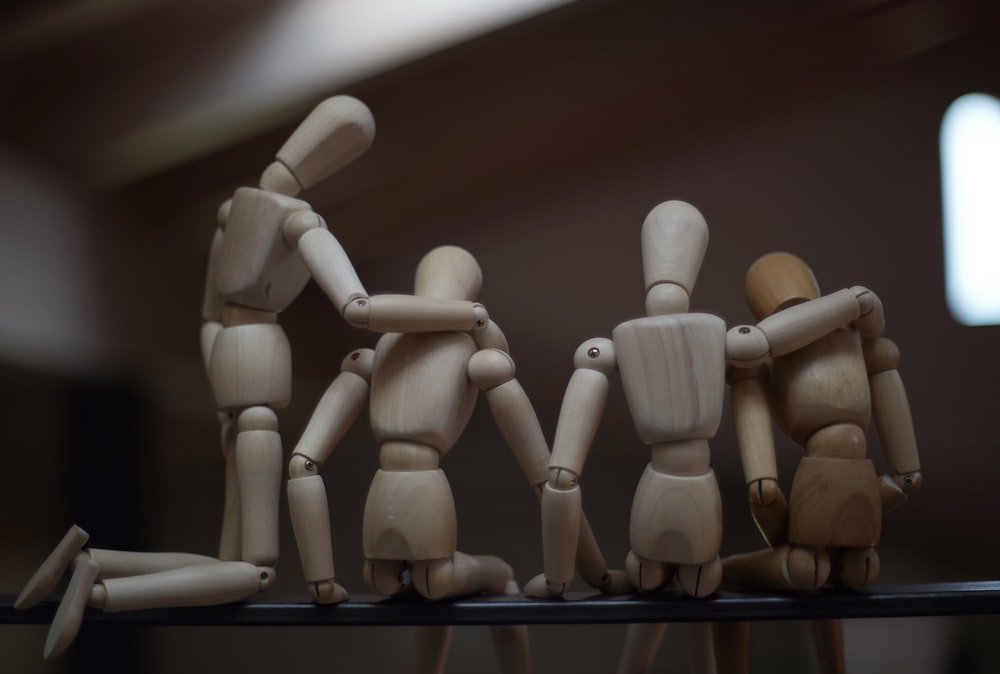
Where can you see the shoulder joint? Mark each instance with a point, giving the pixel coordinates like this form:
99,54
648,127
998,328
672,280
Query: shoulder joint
359,362
596,354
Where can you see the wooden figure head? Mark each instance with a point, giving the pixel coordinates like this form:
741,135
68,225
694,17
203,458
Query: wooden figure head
338,130
674,240
777,281
448,272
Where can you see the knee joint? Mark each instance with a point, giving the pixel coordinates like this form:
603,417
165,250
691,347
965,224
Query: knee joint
302,466
258,418
562,479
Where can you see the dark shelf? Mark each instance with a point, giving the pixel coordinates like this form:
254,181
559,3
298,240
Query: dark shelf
935,599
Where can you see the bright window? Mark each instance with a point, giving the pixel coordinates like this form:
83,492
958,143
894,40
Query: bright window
970,172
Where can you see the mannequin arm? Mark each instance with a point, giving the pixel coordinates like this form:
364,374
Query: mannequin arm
871,322
411,313
212,301
755,437
333,271
893,420
579,417
336,412
492,371
338,408
794,327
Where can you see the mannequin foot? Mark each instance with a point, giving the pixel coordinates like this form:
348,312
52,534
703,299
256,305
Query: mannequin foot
48,575
66,622
615,581
541,588
328,592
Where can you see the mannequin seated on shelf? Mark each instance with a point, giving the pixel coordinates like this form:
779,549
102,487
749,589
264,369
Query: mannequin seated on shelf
421,389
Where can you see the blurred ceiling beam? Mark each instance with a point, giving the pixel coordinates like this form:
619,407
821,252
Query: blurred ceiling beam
119,91
534,103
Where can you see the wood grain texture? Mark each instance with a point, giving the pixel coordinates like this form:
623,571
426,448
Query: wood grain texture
256,267
834,503
409,516
251,365
673,373
676,519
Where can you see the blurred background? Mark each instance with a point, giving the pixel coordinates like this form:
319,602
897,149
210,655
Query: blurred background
537,134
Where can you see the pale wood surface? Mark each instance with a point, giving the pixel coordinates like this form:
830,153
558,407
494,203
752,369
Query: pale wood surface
251,365
424,378
409,313
799,325
259,465
254,272
672,366
198,585
338,130
750,405
337,410
409,516
116,563
673,374
69,615
561,516
421,391
518,423
255,267
331,267
50,572
310,511
674,238
676,519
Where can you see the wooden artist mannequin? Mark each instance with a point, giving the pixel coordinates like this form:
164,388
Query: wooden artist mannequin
823,397
421,390
672,365
676,522
267,247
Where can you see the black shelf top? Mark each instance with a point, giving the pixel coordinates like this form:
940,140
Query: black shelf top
889,601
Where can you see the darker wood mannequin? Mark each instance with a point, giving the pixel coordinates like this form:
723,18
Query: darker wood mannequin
823,397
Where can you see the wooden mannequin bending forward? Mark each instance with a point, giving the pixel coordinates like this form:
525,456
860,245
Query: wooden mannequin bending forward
267,247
